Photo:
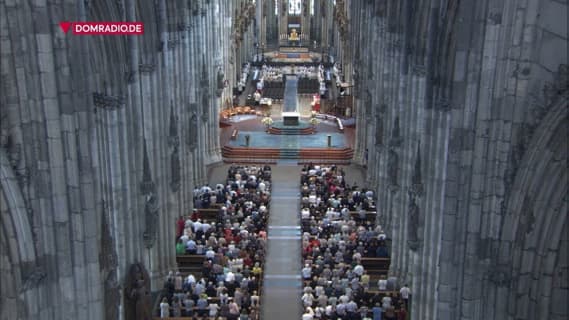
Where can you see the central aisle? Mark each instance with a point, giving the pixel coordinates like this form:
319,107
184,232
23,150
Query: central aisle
291,94
282,285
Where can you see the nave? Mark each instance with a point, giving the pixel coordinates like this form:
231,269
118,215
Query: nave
302,278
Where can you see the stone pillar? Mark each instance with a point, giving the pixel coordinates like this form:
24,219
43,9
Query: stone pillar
305,22
283,22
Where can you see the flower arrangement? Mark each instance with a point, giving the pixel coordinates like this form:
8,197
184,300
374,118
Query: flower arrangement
313,121
267,121
313,114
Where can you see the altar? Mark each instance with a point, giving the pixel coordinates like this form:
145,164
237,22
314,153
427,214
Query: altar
291,118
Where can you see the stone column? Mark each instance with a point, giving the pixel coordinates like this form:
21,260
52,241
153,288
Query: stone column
283,22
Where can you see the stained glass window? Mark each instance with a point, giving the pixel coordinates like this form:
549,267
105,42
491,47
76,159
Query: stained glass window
294,7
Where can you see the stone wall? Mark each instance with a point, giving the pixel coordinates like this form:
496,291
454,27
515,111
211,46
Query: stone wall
102,142
462,106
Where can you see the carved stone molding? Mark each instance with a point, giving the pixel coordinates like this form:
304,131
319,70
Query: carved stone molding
393,168
109,102
120,6
500,275
172,43
108,262
495,18
33,279
175,170
378,130
181,27
205,106
194,7
396,42
413,240
220,82
442,104
146,67
527,219
419,70
147,185
356,81
368,106
560,84
382,108
130,76
242,20
192,138
417,180
138,300
204,84
111,296
23,177
107,255
522,140
380,8
342,19
151,207
173,139
396,139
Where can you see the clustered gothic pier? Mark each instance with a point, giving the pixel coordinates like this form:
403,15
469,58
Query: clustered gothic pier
456,111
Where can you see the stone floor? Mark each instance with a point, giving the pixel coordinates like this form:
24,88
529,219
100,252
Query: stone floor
266,140
282,285
254,124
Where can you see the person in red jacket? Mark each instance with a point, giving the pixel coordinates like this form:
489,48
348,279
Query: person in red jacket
402,314
180,226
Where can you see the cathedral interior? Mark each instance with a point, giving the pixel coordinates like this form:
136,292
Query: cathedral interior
450,116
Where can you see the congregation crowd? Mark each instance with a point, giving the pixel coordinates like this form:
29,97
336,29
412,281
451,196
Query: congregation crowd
233,247
337,235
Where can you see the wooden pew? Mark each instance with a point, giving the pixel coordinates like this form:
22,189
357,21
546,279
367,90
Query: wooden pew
376,266
209,214
370,216
190,263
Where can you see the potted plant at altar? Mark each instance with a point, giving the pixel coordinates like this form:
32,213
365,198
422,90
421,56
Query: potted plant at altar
267,121
314,122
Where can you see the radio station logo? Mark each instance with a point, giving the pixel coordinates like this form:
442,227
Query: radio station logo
102,28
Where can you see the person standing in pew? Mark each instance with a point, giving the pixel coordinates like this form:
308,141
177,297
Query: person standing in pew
202,305
390,313
405,292
191,246
377,311
178,281
176,307
234,311
180,247
402,314
180,225
200,248
382,284
189,305
213,310
164,308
